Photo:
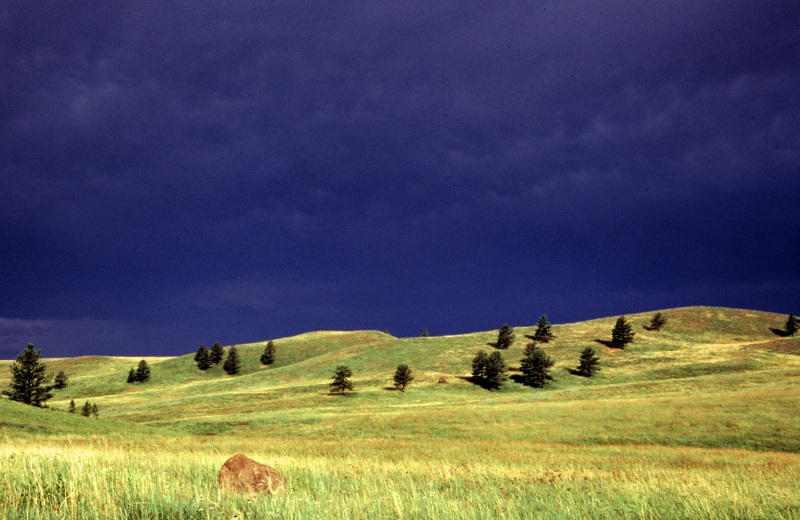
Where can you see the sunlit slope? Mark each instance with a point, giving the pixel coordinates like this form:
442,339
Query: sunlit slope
709,363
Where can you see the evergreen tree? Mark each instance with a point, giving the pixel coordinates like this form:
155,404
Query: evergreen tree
543,333
403,377
622,333
589,361
495,370
60,381
142,372
505,337
131,375
232,364
71,408
86,411
203,358
479,365
268,357
95,411
29,379
657,322
535,366
341,380
424,333
792,325
217,352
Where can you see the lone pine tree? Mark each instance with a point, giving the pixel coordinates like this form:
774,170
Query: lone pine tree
29,379
792,325
505,337
142,372
622,334
543,333
203,358
216,353
71,408
588,363
403,377
232,364
86,411
657,322
60,380
495,370
268,357
535,366
341,380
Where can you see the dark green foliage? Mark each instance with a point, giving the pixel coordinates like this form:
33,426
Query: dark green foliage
71,408
29,379
60,380
86,411
142,372
341,380
424,333
95,411
543,333
792,325
495,370
505,337
131,375
216,353
268,357
232,364
657,322
403,377
203,358
479,365
535,366
622,333
588,363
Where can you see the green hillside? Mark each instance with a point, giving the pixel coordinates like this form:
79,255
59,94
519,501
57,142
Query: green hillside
719,381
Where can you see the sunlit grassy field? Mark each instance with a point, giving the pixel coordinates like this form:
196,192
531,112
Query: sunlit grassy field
699,420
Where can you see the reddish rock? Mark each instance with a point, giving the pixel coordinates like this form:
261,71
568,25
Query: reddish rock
244,475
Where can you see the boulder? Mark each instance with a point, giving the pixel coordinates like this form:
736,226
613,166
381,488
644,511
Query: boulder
243,475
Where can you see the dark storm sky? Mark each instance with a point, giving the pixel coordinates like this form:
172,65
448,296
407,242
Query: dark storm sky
177,174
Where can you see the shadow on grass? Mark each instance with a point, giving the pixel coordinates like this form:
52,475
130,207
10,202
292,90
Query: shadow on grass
780,332
391,388
478,381
605,343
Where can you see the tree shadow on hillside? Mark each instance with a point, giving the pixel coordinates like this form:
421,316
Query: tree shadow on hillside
478,381
605,343
493,345
575,372
780,332
392,388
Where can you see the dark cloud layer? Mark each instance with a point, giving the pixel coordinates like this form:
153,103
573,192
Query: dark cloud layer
176,175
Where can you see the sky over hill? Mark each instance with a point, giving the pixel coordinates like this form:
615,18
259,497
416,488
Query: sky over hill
171,176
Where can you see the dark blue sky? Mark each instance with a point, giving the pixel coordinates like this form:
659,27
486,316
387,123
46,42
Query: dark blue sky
172,175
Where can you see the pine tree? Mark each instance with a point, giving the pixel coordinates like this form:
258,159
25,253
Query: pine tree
792,325
95,411
142,372
424,333
403,377
60,381
657,322
232,364
589,361
535,366
341,380
131,375
622,333
29,379
86,411
543,333
505,337
203,358
495,370
479,365
217,352
268,357
71,408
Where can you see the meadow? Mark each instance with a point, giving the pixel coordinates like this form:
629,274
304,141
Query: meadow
699,420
